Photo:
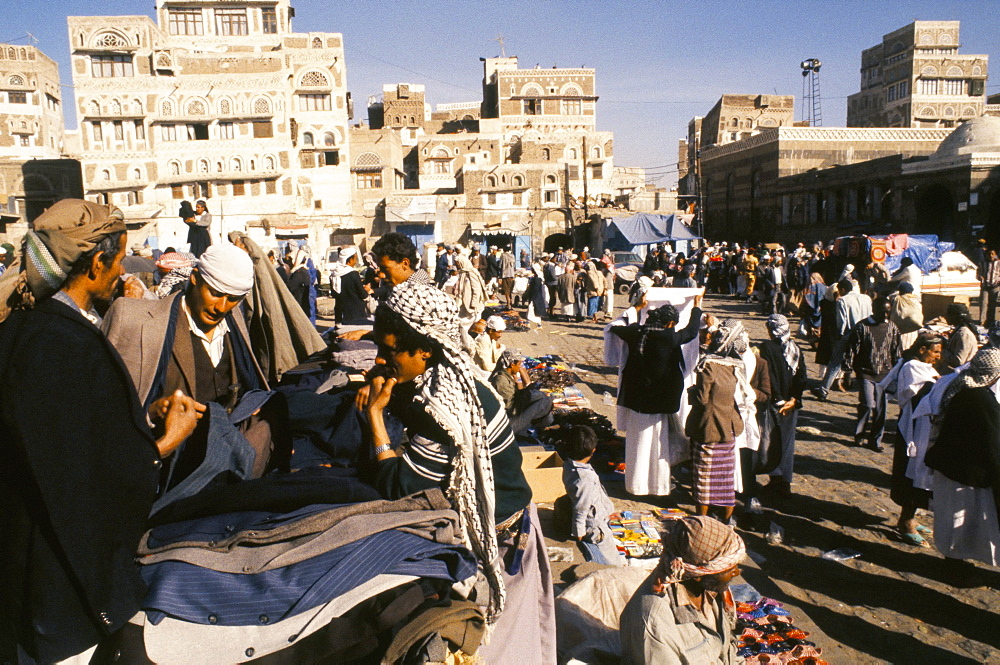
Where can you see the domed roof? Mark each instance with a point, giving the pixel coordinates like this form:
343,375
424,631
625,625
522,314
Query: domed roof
977,135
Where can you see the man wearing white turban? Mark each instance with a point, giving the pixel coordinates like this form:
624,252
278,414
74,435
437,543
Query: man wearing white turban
195,341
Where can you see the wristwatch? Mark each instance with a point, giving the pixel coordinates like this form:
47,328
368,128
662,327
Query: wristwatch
384,448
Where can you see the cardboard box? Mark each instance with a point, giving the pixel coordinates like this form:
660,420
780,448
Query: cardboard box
935,304
543,470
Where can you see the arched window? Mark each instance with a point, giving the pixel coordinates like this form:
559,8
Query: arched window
597,152
110,40
734,123
16,80
546,154
268,163
253,164
314,79
136,174
572,153
166,108
202,166
397,121
491,181
517,181
106,175
175,168
237,164
550,180
197,107
307,138
261,106
329,140
368,159
225,107
317,42
95,108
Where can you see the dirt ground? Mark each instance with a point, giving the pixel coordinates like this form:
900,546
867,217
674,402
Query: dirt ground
890,605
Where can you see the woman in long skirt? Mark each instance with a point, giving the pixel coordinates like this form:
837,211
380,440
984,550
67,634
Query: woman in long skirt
722,388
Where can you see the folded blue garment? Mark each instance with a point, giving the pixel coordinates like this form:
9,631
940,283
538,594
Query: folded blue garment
199,595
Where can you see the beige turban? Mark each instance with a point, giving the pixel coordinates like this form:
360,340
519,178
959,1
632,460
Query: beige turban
62,234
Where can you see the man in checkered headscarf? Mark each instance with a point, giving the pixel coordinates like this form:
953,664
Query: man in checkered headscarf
683,612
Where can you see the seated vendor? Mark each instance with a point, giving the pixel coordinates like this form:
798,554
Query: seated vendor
459,439
526,406
487,348
683,612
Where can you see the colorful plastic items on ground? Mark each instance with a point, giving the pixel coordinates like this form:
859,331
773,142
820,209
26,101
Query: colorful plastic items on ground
767,635
637,533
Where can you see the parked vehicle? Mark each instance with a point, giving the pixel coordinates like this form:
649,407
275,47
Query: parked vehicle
628,266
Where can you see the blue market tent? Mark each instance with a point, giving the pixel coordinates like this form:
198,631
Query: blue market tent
643,228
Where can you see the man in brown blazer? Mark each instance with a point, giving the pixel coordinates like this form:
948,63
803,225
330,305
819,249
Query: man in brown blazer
195,341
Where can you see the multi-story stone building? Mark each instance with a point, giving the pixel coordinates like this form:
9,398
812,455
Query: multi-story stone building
524,164
744,193
736,117
217,100
917,78
31,130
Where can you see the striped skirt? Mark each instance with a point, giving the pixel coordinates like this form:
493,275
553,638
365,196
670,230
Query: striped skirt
714,466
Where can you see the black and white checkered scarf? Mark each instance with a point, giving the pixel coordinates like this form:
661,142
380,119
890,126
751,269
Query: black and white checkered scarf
447,392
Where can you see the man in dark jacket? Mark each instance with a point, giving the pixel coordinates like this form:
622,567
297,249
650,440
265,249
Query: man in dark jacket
873,348
79,464
787,373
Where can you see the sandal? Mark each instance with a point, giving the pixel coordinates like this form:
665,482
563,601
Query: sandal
924,529
914,539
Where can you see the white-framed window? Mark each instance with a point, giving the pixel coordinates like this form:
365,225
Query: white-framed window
185,21
314,102
98,132
953,87
111,66
231,21
17,97
25,141
226,130
168,132
572,107
140,130
119,130
531,106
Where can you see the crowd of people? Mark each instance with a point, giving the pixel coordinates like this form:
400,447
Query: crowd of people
186,351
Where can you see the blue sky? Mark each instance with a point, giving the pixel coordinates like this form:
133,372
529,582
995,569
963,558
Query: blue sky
658,63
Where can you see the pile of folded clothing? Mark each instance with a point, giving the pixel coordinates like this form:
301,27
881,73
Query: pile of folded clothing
302,585
766,634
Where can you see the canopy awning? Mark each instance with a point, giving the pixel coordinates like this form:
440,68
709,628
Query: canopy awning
419,209
513,228
643,228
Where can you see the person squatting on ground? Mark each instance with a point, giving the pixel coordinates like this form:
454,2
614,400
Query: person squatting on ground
459,439
526,406
486,348
79,463
590,502
683,613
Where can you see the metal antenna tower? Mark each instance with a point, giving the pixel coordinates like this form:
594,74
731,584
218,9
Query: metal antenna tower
810,92
500,40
